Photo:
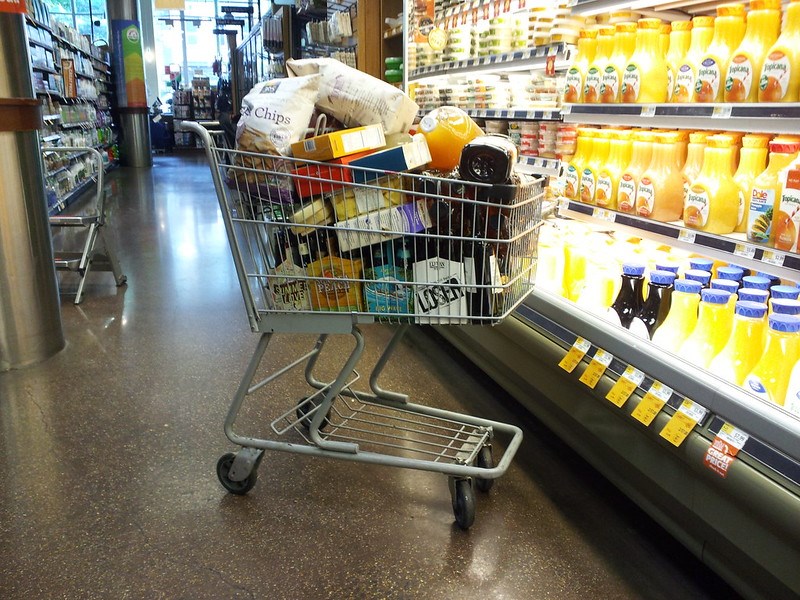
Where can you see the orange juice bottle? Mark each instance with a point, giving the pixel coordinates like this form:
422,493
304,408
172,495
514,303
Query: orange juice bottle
682,317
574,170
659,194
780,75
714,324
694,160
743,350
574,268
681,147
786,221
666,29
686,72
766,189
641,153
679,40
736,144
713,201
576,76
602,55
729,28
645,79
752,162
619,156
763,28
624,45
769,379
592,166
447,130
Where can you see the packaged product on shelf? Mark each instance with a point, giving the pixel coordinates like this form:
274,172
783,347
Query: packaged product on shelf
576,76
780,76
624,45
745,345
340,143
645,78
729,29
598,65
783,306
666,29
547,139
629,182
658,302
574,169
712,204
591,169
752,162
659,193
566,140
679,42
713,329
686,71
786,220
701,276
766,190
682,317
628,303
784,292
619,156
769,379
694,159
757,282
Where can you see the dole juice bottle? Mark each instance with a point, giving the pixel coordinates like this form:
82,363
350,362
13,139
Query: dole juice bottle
645,78
576,76
746,344
769,379
713,329
713,201
679,39
624,45
766,189
682,316
659,194
752,162
592,166
641,153
729,28
686,72
574,170
594,74
744,70
694,160
619,156
780,75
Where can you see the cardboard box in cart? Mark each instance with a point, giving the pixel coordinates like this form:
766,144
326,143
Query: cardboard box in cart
323,179
381,225
340,143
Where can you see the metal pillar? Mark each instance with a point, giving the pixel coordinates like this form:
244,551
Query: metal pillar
30,317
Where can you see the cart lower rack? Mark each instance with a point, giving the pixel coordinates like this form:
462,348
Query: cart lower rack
324,248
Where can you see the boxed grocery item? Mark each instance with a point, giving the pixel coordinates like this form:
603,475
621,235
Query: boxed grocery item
381,225
385,288
443,298
340,143
317,212
336,284
405,157
323,179
356,200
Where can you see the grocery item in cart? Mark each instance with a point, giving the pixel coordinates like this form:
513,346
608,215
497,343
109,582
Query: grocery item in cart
340,143
353,200
410,156
381,225
447,130
314,212
386,288
336,283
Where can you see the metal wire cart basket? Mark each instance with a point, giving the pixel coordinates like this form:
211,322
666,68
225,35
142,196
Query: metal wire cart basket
323,248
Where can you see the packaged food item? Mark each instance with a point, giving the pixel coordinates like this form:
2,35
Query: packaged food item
340,143
381,225
597,67
713,329
729,28
694,159
574,170
786,221
679,39
659,193
385,287
763,28
645,79
624,45
769,379
576,76
619,156
766,189
746,344
712,204
316,212
640,159
447,130
592,166
356,200
336,284
287,287
780,75
318,179
686,72
752,162
682,317
405,157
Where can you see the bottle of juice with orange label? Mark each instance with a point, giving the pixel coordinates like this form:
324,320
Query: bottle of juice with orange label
592,166
712,204
729,28
666,29
619,156
624,45
763,28
659,194
576,76
766,189
574,170
780,75
641,153
694,159
686,71
752,162
679,39
602,55
786,222
681,147
736,144
645,78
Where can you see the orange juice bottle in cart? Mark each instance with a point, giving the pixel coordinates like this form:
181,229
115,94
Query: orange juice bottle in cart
686,71
602,55
780,75
447,130
729,29
576,76
624,45
640,159
679,40
659,194
645,78
712,204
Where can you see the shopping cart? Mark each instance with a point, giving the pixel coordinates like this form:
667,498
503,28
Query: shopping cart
323,248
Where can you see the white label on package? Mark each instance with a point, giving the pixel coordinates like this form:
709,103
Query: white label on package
356,141
444,300
381,225
368,199
417,153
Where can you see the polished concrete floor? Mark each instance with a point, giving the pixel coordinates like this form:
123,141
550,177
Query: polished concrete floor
107,469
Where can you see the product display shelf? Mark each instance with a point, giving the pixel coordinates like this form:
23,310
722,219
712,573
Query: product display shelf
537,165
486,10
753,117
540,114
732,248
33,42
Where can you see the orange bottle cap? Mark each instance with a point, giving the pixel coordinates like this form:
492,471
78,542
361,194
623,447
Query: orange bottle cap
604,133
589,132
703,22
666,137
765,4
607,30
588,33
626,27
731,10
698,137
784,147
719,141
666,27
755,141
650,24
643,136
684,25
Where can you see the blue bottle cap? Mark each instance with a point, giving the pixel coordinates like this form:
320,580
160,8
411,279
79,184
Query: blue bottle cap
755,310
756,281
715,296
784,291
698,275
745,270
727,285
773,278
785,306
754,295
633,269
701,264
668,266
688,286
729,272
662,277
785,323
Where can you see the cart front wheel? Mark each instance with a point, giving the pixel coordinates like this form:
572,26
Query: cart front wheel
303,408
484,460
240,488
464,503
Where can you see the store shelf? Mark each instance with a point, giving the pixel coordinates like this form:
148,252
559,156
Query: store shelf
81,125
72,196
764,118
70,45
51,138
47,118
543,114
393,32
44,70
731,248
33,42
536,165
490,9
520,60
36,23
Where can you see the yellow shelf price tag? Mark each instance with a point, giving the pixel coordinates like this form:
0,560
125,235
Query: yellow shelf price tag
622,390
652,403
596,368
575,355
733,436
682,422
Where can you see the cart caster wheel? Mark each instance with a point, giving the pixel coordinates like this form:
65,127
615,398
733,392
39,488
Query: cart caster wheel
240,488
302,410
484,460
463,503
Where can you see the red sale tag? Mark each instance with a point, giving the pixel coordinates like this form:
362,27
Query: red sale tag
13,6
720,456
550,66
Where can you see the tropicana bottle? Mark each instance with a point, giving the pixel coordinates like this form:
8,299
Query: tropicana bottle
619,156
641,154
574,170
659,194
679,39
763,28
713,201
624,46
694,160
780,76
592,166
752,162
576,76
766,190
729,28
602,56
686,72
645,79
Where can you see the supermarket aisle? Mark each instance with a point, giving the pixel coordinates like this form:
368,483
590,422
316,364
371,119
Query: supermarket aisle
107,484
